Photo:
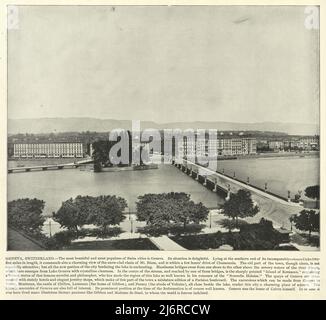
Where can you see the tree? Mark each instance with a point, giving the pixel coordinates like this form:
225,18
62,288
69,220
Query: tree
240,205
190,212
108,210
74,213
307,220
313,192
163,209
146,207
101,151
26,214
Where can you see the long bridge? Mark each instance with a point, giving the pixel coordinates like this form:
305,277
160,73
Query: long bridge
75,164
272,206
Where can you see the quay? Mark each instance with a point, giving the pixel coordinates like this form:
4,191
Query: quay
273,207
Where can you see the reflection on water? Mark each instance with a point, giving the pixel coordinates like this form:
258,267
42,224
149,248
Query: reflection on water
59,185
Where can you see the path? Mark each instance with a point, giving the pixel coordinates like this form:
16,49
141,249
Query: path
16,241
165,243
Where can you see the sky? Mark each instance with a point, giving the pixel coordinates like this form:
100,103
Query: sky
164,63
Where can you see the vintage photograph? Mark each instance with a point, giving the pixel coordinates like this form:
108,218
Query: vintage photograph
163,128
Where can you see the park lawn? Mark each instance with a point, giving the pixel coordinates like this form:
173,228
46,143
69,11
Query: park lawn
261,239
125,244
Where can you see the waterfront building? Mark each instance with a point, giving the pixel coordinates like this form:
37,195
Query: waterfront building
276,145
49,150
309,143
219,146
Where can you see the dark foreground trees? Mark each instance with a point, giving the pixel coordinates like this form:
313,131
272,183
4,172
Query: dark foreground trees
162,210
307,220
26,214
101,211
107,210
313,192
240,205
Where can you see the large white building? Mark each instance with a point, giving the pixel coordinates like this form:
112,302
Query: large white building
220,146
49,150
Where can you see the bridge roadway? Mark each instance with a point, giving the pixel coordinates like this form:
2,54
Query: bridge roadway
272,207
50,166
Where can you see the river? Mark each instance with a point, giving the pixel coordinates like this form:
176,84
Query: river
55,186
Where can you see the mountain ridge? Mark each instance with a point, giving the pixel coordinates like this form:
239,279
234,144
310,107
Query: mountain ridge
78,124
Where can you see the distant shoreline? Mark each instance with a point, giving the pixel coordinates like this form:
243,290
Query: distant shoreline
274,155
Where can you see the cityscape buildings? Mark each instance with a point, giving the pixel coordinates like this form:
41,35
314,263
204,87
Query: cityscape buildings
48,150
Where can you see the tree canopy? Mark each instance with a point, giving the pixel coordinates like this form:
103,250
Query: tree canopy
313,192
101,211
74,213
26,214
165,208
307,220
108,210
240,205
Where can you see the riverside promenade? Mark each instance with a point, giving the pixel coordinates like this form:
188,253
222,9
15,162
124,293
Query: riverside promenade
271,207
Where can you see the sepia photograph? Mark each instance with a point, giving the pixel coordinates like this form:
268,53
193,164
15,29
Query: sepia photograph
170,127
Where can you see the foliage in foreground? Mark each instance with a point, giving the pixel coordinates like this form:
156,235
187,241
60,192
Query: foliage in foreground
256,236
160,210
101,211
313,192
26,214
306,220
240,205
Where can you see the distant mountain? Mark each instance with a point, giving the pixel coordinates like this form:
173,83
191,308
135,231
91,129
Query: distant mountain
47,125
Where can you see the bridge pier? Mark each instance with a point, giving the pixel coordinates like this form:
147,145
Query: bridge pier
44,168
205,182
229,193
215,186
190,174
197,176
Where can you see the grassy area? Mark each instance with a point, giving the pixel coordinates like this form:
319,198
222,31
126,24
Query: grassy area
203,241
261,236
126,244
304,240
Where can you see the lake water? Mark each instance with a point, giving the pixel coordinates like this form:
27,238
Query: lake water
56,186
281,174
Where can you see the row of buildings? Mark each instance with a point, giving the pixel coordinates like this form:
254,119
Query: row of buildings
49,150
296,143
217,147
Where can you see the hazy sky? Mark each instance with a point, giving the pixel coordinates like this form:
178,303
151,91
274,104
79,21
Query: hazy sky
242,64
